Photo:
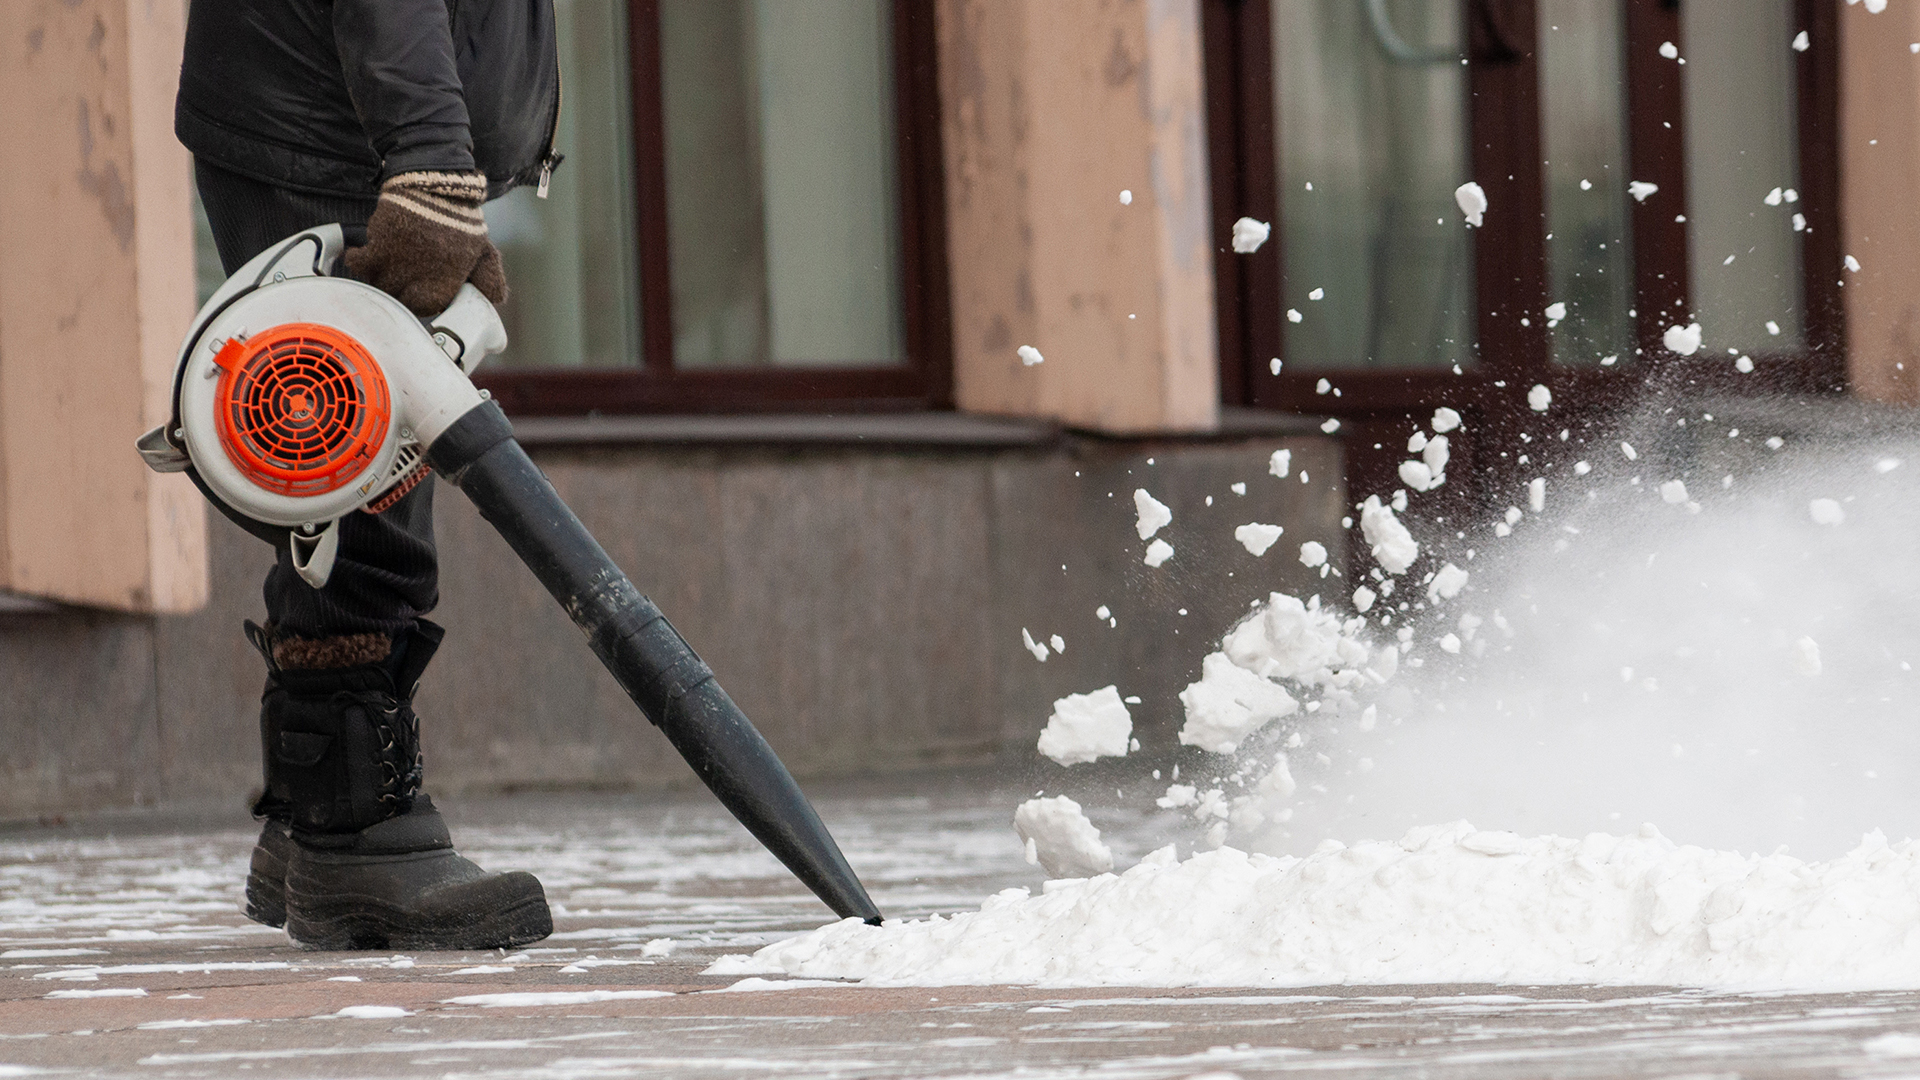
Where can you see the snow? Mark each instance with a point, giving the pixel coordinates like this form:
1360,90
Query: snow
1445,419
1852,264
1669,50
1539,399
1416,475
116,991
1684,340
1313,553
1673,492
1317,293
1281,463
1229,703
1640,189
1238,487
1257,538
1472,200
1059,643
372,1012
1744,365
1249,234
1152,514
1446,584
1086,727
1806,657
1826,512
1445,903
1801,43
1436,454
539,999
1363,599
1126,197
1029,355
1392,545
1158,552
1537,494
1626,448
1555,311
1061,839
1293,316
1038,650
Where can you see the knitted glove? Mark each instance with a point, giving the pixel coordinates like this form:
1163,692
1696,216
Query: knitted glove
426,238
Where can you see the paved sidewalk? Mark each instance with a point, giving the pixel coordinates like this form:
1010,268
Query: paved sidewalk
122,953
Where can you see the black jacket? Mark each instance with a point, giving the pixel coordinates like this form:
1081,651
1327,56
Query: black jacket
334,96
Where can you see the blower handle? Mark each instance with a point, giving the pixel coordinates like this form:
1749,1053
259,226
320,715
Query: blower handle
646,655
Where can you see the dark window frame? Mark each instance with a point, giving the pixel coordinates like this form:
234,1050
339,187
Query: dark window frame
1511,275
653,385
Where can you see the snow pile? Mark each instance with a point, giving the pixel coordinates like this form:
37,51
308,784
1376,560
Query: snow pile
1446,903
1086,727
1061,839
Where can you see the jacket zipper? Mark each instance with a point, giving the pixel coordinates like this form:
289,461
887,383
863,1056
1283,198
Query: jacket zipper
553,136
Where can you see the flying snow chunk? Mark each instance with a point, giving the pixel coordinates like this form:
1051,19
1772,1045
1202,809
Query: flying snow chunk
1436,454
1363,599
1773,328
1158,552
1801,43
1153,514
1392,545
1684,340
1669,50
1806,657
1038,650
1556,311
1249,234
1059,644
1293,316
1826,512
1472,200
1640,189
1416,475
1257,538
1852,264
1030,356
1446,584
1317,294
1445,419
1228,704
1773,197
1627,449
1281,463
1086,727
1539,398
1537,493
1581,468
1330,426
1886,465
1673,492
1238,487
1744,365
1126,197
1061,839
1313,553
1450,644
1875,7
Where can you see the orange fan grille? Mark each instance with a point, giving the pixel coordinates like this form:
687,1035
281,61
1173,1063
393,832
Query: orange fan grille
303,408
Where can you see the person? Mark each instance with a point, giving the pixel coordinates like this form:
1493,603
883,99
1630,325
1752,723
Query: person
397,119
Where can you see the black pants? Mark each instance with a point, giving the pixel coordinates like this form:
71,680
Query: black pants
386,574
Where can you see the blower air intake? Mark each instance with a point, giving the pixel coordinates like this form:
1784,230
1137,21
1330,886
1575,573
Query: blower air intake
300,398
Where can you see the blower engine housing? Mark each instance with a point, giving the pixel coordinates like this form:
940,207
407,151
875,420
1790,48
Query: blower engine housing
300,397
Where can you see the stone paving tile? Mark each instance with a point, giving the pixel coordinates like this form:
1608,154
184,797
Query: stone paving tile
92,913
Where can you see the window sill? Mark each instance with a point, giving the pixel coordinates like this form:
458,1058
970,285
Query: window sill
946,429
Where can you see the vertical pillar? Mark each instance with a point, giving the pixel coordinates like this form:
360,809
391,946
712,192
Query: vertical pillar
1052,108
96,289
1880,199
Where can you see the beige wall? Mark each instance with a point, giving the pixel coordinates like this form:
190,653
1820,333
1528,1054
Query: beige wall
1051,109
96,289
1880,197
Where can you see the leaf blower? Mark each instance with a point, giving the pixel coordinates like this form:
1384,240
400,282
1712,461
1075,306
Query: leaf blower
300,397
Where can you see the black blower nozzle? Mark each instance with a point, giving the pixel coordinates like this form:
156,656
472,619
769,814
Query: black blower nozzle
653,664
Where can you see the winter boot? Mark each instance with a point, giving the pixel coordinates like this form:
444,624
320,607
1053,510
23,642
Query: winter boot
352,855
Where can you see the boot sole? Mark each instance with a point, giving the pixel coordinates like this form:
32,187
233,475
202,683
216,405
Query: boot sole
267,899
342,923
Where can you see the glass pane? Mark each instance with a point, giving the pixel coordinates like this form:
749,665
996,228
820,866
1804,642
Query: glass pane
1371,103
1741,144
1589,255
571,258
782,200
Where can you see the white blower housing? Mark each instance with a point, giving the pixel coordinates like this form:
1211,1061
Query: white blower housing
300,397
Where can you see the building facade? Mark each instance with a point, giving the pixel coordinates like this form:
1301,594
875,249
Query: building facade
767,334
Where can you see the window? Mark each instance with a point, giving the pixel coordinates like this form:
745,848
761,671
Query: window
1628,192
749,216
